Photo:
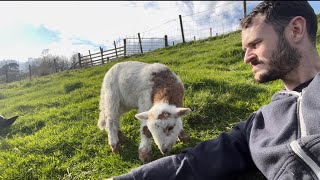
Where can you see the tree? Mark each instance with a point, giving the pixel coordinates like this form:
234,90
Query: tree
48,63
10,72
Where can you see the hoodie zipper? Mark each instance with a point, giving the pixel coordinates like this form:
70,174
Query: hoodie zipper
296,148
303,129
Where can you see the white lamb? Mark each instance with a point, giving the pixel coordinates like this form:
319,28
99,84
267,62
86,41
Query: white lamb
156,92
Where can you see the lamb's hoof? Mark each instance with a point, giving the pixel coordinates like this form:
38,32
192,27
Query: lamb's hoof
183,137
122,138
116,148
144,155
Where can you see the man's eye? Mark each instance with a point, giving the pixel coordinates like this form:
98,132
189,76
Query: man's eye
255,45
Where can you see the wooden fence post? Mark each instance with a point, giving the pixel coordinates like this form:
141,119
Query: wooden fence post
140,43
79,59
7,77
210,32
181,26
115,48
55,65
172,43
30,72
166,41
108,60
101,52
194,38
90,58
244,9
125,47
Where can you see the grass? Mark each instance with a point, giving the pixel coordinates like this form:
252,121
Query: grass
56,135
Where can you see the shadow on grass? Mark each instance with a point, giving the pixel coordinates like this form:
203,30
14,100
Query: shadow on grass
219,113
22,130
244,92
129,149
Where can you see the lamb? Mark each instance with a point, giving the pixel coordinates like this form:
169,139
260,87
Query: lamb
156,92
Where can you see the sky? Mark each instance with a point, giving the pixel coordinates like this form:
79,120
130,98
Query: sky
67,27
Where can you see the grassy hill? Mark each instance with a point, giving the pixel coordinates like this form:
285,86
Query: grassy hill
56,135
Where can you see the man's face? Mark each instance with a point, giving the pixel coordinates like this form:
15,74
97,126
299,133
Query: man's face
271,57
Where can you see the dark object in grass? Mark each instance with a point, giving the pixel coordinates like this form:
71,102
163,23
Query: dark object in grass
7,122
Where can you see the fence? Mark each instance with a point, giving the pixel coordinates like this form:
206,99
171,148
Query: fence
130,47
99,58
143,45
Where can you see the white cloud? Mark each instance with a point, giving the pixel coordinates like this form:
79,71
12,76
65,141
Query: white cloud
100,22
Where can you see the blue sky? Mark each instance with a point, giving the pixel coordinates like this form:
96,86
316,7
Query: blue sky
315,5
66,27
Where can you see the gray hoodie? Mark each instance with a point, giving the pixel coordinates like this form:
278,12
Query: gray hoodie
281,139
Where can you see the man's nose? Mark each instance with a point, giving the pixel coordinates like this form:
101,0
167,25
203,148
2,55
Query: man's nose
249,56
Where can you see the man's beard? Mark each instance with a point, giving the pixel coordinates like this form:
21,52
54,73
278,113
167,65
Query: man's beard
284,59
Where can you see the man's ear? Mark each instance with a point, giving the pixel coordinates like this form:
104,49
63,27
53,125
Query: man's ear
142,116
183,111
297,28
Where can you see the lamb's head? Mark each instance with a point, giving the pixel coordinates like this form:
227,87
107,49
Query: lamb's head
165,124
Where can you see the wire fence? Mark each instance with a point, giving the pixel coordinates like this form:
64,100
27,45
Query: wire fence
147,45
222,19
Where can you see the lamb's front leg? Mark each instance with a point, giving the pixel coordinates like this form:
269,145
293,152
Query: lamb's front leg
145,151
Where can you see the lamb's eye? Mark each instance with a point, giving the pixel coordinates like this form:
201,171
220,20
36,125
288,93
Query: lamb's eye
164,115
170,128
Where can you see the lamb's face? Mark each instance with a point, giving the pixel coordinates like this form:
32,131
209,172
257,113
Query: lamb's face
165,132
165,124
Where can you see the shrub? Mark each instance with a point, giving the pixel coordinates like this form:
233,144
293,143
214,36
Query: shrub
28,84
68,87
2,96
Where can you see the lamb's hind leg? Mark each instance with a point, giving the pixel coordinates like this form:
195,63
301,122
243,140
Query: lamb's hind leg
109,118
112,127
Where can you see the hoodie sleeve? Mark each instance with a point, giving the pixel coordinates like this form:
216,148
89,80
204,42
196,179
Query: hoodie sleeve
224,157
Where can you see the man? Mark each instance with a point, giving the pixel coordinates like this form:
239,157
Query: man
281,139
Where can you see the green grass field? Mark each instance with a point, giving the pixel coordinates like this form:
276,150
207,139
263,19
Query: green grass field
56,135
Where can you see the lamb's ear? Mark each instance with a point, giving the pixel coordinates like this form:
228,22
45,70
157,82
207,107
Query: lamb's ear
142,116
183,111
